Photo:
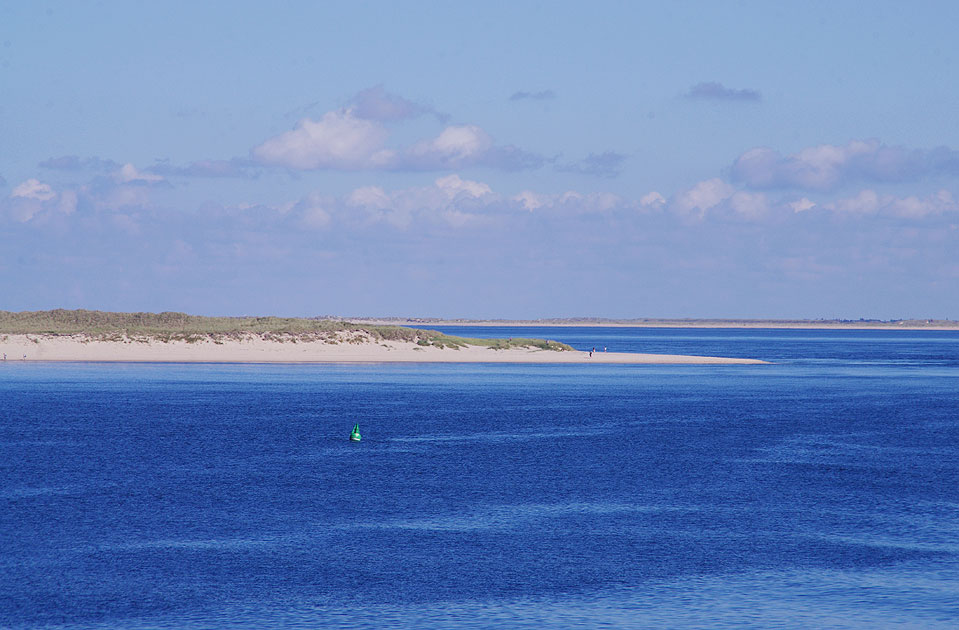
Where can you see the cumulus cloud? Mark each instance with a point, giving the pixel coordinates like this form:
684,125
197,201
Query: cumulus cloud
125,190
339,140
455,145
607,164
717,196
454,186
33,200
702,197
33,189
369,197
652,200
828,167
343,141
542,95
569,203
462,146
128,174
712,90
869,202
451,200
314,210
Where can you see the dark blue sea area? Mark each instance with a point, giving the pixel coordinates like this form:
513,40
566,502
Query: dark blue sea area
819,491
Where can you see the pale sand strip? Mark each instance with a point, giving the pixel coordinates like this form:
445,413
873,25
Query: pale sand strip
257,350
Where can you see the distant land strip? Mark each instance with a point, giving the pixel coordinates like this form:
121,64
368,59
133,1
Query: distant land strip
852,324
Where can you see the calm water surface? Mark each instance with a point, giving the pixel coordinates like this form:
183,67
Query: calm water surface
819,491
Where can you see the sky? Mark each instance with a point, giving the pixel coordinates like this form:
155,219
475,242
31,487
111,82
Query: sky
481,160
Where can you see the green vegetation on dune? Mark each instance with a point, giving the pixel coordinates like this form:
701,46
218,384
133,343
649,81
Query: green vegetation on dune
167,326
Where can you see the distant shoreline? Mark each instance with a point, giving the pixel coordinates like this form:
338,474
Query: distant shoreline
718,324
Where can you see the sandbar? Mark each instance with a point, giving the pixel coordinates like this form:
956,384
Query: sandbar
256,349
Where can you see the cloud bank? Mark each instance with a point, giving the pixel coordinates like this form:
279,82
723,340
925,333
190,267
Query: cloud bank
829,167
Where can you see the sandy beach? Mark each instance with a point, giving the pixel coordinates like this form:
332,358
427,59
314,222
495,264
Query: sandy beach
255,349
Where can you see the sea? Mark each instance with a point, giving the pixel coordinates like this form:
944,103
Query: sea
818,491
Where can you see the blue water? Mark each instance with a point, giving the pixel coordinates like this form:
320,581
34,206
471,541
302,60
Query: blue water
819,491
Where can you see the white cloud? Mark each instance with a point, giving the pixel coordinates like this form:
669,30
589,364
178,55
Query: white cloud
827,166
339,140
452,185
869,202
129,174
530,201
33,189
716,197
343,140
314,211
570,202
33,200
802,205
451,200
316,217
455,201
702,197
652,200
369,197
455,146
915,207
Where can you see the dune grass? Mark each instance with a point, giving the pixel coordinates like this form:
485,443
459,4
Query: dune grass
169,326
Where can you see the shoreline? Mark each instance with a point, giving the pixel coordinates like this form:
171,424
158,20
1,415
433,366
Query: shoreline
254,349
770,325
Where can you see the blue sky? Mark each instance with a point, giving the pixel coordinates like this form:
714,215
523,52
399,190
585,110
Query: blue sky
511,160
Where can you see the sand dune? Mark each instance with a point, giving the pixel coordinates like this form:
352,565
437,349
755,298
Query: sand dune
254,349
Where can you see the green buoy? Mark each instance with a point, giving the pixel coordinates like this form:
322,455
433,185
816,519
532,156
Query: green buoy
355,433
